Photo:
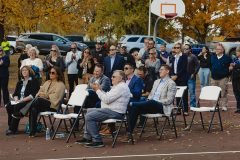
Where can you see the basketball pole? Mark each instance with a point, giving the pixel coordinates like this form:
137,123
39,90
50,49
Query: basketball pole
149,18
155,29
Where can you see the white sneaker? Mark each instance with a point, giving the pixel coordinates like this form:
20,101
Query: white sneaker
224,108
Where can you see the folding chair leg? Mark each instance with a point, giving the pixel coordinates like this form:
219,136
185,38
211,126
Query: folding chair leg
116,135
202,120
72,132
155,125
220,120
65,124
210,125
174,126
54,134
72,127
163,128
144,124
192,120
44,122
51,123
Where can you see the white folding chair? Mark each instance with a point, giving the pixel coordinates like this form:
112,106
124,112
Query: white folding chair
155,118
77,99
49,114
121,121
179,94
209,93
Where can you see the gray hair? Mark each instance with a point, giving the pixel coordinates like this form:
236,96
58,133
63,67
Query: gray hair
121,73
35,49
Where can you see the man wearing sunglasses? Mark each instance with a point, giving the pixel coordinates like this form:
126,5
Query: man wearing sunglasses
71,60
113,62
179,73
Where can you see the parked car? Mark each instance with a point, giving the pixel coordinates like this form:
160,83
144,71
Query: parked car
12,41
136,42
197,48
230,44
79,38
43,42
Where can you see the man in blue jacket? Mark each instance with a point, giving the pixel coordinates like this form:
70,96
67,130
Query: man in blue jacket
112,62
135,83
220,63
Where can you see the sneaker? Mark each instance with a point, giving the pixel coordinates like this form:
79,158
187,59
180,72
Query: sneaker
224,108
84,141
105,132
10,132
95,145
186,114
139,125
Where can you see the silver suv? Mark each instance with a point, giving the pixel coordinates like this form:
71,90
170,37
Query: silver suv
43,42
136,42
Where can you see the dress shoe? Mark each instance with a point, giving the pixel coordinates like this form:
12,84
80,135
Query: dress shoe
10,132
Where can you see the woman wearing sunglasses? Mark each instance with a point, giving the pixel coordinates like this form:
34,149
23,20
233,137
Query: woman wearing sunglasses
53,59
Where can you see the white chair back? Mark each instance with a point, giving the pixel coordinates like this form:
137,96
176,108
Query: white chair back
78,95
180,91
210,93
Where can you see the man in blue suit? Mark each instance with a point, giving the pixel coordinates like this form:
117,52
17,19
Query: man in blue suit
135,83
179,73
113,62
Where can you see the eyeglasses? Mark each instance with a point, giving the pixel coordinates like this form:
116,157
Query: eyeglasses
113,76
176,47
73,48
53,50
53,73
126,68
186,48
86,52
112,49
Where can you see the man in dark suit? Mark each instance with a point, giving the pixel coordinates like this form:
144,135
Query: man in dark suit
179,73
113,62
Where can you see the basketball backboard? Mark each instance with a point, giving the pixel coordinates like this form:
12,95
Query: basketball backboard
168,8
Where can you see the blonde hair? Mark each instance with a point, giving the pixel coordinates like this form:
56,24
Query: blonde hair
57,49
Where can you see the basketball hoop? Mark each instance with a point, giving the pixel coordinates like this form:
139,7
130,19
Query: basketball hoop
170,15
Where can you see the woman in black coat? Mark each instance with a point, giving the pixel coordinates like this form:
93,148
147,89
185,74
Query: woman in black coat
25,91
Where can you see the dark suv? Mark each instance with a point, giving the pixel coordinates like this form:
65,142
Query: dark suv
43,42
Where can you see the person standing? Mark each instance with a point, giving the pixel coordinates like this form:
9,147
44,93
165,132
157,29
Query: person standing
164,55
192,70
179,73
152,63
127,57
5,46
53,59
4,76
99,53
220,63
205,63
113,62
71,63
145,48
235,67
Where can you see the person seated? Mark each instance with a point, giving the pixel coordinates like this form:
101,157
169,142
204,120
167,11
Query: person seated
48,98
25,91
113,106
159,101
134,83
102,80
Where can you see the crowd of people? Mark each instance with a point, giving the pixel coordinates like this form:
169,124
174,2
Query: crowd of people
140,82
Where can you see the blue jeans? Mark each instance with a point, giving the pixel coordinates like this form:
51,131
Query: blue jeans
137,108
204,74
192,92
93,117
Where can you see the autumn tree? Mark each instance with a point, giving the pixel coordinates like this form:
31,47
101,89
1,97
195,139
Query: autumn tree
204,18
